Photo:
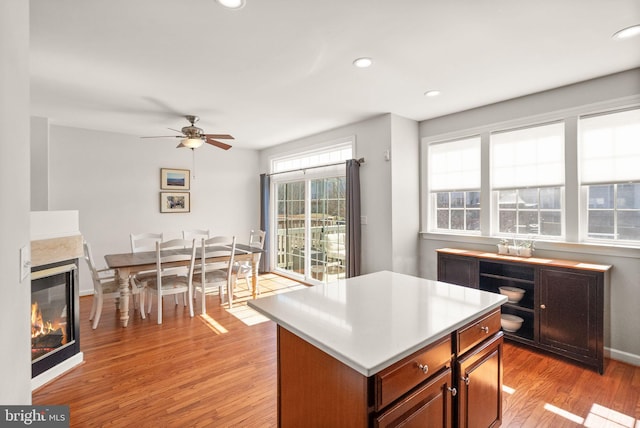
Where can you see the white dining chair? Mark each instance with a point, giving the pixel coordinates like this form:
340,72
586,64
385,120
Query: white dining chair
243,269
142,242
196,234
170,280
215,274
105,284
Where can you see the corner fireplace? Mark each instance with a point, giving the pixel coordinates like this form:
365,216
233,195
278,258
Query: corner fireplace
55,335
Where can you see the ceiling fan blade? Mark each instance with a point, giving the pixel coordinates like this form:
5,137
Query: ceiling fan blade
220,136
218,144
165,136
175,130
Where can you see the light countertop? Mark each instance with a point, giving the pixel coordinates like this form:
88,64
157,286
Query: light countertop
372,321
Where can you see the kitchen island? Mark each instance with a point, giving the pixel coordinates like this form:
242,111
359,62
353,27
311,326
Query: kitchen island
385,347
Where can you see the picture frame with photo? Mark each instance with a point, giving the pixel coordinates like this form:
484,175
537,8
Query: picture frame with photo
175,179
175,202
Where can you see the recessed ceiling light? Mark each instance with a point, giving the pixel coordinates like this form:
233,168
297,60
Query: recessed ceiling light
232,4
363,62
432,93
625,33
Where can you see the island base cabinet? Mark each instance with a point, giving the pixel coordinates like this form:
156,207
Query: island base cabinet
480,385
317,390
429,406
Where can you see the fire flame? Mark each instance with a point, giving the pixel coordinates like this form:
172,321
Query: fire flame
38,326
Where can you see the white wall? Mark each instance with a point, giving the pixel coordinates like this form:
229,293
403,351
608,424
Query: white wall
15,295
622,299
113,180
374,137
405,195
39,164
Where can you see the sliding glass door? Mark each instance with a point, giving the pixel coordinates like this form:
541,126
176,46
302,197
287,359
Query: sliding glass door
310,228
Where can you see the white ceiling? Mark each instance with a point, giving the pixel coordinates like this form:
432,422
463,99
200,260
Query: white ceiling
278,70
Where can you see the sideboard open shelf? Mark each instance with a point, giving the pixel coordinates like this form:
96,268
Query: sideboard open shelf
563,302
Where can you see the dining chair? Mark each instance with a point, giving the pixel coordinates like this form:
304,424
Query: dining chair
105,284
215,273
196,234
171,280
243,269
142,242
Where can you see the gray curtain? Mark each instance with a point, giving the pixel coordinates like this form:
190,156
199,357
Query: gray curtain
265,186
353,218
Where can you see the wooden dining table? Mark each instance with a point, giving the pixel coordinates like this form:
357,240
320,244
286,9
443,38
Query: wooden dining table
126,265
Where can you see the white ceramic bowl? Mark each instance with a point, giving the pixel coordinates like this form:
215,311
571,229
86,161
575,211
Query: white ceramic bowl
510,322
513,294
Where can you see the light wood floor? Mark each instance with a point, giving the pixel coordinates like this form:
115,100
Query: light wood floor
220,371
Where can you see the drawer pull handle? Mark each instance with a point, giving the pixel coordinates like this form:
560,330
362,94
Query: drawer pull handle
454,391
484,329
424,368
465,380
543,306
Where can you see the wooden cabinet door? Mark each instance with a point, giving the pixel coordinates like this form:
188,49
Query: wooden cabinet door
458,270
428,406
480,385
570,311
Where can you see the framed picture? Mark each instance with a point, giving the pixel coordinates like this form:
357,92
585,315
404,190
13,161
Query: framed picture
175,202
174,179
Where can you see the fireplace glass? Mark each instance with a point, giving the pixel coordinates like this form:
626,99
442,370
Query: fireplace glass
53,317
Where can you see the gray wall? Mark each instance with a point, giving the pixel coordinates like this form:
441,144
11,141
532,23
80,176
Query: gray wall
113,180
15,295
622,299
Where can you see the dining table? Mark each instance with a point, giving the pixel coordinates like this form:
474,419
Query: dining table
126,265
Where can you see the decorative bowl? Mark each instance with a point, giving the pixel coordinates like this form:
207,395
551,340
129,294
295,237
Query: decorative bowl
510,322
514,295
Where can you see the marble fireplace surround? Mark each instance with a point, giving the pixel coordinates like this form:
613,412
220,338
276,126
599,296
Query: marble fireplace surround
55,237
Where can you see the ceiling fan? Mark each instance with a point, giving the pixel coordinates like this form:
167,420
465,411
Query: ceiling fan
194,137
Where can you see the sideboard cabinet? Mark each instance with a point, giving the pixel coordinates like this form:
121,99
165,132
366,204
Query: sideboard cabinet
563,303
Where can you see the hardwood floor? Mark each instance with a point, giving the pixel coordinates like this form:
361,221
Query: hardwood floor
220,371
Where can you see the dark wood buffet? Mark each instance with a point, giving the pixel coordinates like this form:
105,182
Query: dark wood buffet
563,303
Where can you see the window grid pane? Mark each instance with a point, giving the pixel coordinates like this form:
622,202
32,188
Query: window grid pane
530,212
457,210
613,212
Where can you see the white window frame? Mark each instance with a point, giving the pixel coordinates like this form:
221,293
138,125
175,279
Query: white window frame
327,168
467,186
616,180
532,183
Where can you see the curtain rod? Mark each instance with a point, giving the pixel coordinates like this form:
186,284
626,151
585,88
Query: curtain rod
360,161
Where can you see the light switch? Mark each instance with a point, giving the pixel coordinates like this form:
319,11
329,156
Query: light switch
25,262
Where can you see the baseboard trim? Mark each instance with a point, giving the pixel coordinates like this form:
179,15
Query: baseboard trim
625,357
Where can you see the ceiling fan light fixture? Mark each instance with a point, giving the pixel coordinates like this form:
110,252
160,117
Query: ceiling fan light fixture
192,143
432,93
232,4
626,33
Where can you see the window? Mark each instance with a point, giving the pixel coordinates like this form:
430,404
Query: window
609,152
454,182
527,178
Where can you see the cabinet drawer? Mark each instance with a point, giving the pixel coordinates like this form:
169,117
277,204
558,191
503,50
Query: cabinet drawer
428,406
479,330
399,378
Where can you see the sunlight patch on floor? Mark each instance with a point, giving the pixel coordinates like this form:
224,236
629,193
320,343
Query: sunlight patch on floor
270,285
247,315
601,416
598,417
508,389
565,414
213,324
